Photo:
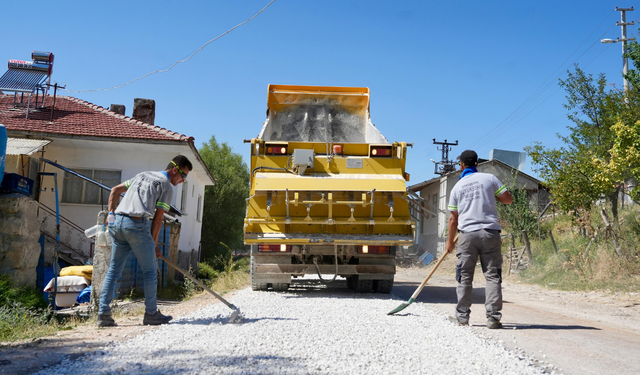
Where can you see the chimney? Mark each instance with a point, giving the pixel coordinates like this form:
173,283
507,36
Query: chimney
117,108
144,110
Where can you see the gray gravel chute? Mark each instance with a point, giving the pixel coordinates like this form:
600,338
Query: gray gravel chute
306,332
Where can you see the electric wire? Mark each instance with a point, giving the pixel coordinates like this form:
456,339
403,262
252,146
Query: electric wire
180,61
506,123
516,116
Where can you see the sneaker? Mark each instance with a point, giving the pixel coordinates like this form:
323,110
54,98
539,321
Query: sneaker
105,320
493,323
156,319
455,321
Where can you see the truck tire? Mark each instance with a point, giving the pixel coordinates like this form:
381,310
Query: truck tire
351,282
364,286
280,287
382,286
255,285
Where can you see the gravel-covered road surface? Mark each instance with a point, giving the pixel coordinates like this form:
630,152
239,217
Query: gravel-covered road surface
309,330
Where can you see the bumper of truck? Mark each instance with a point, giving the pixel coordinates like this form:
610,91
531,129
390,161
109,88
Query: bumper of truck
343,269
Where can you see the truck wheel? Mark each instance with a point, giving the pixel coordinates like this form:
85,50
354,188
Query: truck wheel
280,287
364,286
382,286
254,284
351,282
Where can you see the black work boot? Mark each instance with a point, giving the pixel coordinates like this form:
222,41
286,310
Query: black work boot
455,321
156,319
105,320
493,323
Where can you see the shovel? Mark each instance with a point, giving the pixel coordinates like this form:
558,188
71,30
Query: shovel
417,292
235,317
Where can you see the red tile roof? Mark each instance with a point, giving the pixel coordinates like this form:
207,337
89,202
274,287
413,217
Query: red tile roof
77,117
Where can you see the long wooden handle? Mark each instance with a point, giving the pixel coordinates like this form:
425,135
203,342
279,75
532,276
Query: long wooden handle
200,284
433,270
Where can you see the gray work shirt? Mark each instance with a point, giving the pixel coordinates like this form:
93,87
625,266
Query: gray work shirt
146,192
474,197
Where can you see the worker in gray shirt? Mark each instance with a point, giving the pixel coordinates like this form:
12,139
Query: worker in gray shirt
138,219
474,216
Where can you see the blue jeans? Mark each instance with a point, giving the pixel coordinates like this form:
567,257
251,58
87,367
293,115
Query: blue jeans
131,235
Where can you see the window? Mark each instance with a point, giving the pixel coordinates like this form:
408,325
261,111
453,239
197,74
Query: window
183,197
434,206
199,209
77,190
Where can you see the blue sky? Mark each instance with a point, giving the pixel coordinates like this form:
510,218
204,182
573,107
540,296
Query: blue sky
484,73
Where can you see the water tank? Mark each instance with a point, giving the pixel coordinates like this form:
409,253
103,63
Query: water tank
514,159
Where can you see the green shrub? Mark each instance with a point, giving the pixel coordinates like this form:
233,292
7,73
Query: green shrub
518,216
601,268
28,297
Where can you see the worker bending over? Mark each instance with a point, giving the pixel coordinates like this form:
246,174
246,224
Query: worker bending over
138,219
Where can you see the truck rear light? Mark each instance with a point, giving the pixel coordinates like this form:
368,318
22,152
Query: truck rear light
337,149
273,248
365,249
380,151
277,150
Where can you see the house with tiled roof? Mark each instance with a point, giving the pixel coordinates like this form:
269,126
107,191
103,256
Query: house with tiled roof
104,146
432,224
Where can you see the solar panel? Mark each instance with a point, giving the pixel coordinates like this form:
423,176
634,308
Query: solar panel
22,80
28,77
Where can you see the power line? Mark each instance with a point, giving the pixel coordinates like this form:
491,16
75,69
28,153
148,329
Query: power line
542,88
181,61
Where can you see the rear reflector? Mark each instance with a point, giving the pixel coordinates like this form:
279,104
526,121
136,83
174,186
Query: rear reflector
380,151
337,149
273,248
373,249
277,150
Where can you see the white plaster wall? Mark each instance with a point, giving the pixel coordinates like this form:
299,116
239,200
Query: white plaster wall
428,238
130,159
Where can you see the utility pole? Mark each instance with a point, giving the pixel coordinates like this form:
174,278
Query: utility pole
625,61
445,166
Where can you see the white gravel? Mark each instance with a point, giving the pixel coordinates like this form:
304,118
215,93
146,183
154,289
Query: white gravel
307,331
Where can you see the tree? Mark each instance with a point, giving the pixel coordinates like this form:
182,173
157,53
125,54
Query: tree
633,76
225,202
518,215
625,158
573,171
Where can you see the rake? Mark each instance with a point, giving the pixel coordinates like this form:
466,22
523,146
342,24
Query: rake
235,317
417,292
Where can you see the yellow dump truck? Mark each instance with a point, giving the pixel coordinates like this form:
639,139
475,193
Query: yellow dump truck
328,193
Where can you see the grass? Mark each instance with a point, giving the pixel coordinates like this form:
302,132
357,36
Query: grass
25,315
225,274
601,268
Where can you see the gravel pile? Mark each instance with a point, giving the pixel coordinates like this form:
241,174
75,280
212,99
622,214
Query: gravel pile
306,331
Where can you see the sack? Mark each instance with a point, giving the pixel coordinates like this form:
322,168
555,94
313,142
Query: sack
84,271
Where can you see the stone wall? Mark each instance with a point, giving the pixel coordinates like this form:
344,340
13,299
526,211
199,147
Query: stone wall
101,263
19,234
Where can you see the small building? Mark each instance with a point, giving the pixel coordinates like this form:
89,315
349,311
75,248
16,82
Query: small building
105,146
432,227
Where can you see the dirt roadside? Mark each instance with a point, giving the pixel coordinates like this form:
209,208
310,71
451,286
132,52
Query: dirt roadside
579,333
27,357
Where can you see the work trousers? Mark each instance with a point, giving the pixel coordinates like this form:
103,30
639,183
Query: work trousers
131,235
486,245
